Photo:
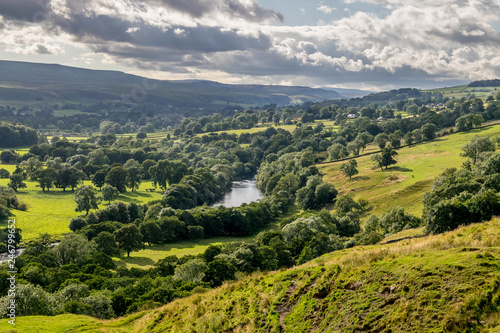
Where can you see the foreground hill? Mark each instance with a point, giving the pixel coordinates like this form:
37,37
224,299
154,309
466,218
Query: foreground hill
448,282
31,83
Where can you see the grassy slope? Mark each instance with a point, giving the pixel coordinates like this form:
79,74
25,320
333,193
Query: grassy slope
427,284
405,183
463,91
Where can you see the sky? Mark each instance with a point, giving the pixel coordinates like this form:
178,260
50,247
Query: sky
365,44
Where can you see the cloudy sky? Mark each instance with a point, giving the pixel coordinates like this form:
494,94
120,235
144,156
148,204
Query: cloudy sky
375,44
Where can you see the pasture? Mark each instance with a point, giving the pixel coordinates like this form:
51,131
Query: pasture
405,183
50,212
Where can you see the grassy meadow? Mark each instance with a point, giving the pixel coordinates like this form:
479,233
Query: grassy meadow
50,212
405,183
463,91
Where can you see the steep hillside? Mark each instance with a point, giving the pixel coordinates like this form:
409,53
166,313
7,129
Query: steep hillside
31,83
448,282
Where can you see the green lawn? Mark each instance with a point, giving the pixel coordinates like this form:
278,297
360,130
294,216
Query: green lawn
405,183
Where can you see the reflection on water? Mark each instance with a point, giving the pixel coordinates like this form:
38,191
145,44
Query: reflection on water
242,191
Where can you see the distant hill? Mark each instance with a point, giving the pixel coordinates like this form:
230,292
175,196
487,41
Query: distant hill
31,83
351,93
485,83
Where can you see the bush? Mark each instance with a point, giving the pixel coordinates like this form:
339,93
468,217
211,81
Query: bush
77,223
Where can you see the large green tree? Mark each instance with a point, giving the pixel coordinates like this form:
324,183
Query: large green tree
129,238
350,168
118,177
46,178
386,158
86,198
16,182
476,147
109,193
168,172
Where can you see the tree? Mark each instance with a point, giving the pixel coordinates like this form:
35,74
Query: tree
145,168
388,156
8,156
412,109
86,198
218,271
106,243
409,139
129,238
191,271
195,231
429,131
134,177
73,249
16,181
118,177
170,172
337,152
364,138
77,223
350,168
99,178
378,161
109,193
476,147
4,173
354,147
381,140
30,165
46,178
69,176
151,231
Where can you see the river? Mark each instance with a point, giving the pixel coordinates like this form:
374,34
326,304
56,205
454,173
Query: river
242,191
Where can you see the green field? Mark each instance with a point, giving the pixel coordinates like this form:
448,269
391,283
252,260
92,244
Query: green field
405,183
440,283
464,91
50,212
148,257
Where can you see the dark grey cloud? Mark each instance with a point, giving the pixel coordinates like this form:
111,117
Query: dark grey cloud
197,8
141,39
42,49
25,10
255,12
469,33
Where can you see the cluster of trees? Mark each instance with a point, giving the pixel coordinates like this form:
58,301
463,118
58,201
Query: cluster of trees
293,178
466,195
157,223
16,135
8,201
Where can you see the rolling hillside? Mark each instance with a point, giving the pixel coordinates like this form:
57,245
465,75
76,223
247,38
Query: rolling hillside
31,83
448,282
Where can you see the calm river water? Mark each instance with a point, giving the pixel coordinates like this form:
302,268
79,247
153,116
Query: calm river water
242,191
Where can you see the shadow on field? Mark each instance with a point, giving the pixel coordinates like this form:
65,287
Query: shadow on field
133,196
400,169
141,261
360,178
